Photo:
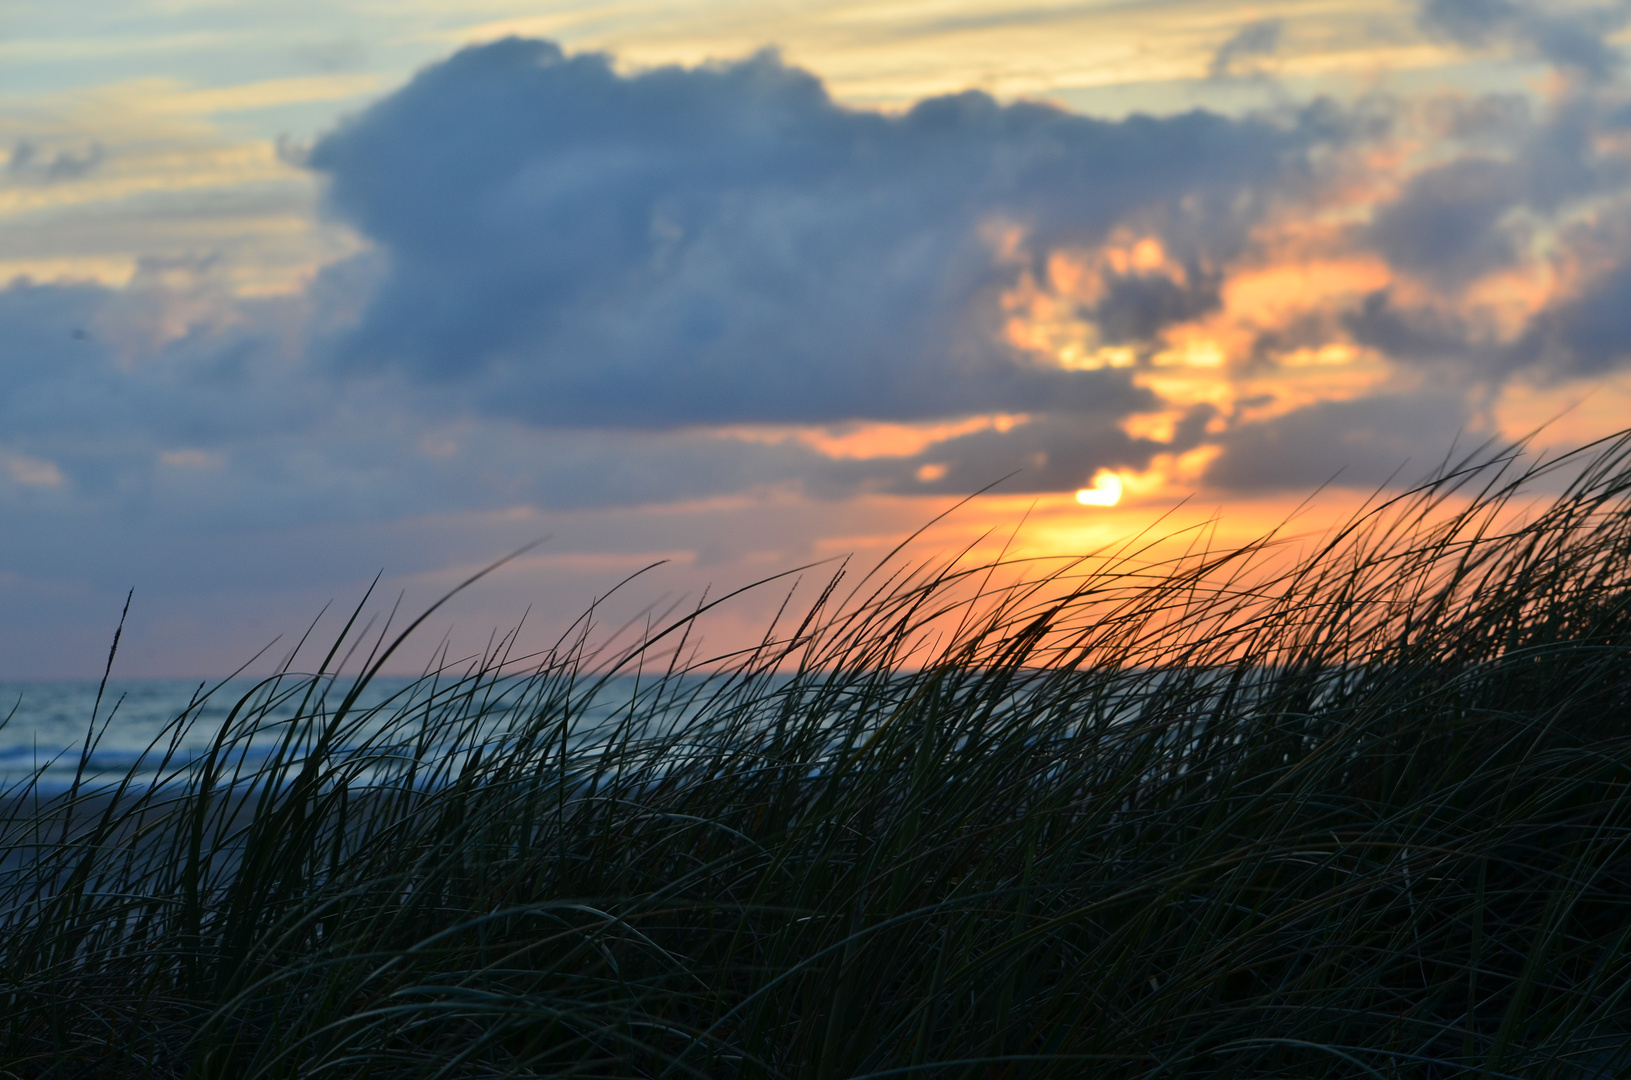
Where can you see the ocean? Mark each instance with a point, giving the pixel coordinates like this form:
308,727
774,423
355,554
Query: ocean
44,725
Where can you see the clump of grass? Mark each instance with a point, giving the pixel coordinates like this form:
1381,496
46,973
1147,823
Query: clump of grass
1365,812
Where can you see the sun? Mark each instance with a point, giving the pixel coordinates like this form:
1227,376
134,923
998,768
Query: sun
1106,490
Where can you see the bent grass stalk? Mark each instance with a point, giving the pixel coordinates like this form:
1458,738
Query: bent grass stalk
1363,812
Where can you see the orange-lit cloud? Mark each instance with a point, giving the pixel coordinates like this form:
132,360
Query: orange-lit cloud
863,440
738,358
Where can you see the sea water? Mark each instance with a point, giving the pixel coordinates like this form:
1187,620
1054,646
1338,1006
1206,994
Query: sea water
49,725
56,733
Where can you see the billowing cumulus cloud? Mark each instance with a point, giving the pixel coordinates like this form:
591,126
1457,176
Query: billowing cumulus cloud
585,288
572,246
564,290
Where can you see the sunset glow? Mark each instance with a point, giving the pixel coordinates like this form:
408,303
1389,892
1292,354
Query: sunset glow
1106,490
333,288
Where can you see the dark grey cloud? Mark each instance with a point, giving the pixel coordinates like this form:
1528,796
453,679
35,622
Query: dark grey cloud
84,363
1303,330
1469,22
1487,121
1254,40
1360,443
576,272
96,386
1137,307
29,163
1414,334
1572,39
1447,223
1477,212
575,276
1583,335
1587,334
570,246
1513,185
223,423
1564,158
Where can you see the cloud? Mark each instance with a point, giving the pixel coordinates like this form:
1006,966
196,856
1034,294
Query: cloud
1254,40
1053,452
28,162
1477,212
568,246
160,359
1447,224
1469,22
1583,335
1573,40
1415,334
163,400
1541,212
1363,443
1506,247
1137,307
579,280
586,295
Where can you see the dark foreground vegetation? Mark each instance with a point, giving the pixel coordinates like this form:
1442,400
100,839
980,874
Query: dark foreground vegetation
1361,812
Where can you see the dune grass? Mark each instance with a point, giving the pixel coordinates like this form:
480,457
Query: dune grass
1365,812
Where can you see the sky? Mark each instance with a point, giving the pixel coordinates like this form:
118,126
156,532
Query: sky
296,294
